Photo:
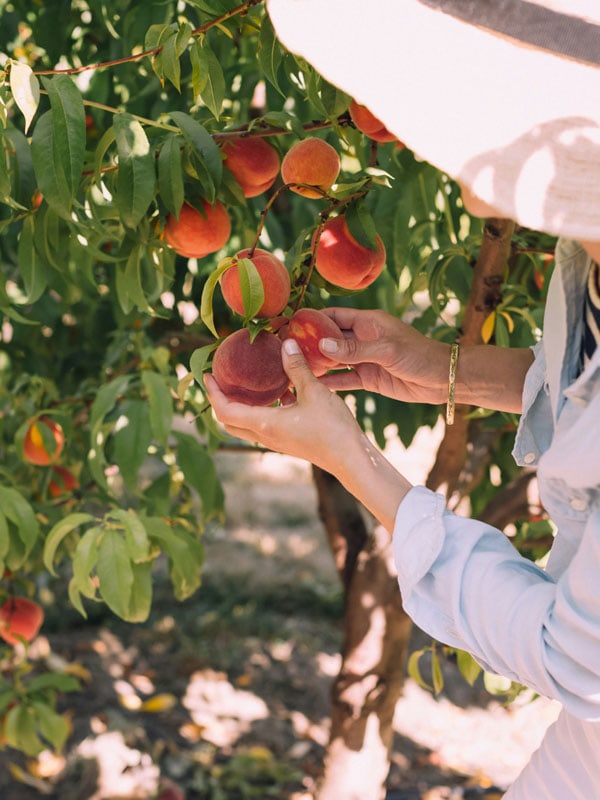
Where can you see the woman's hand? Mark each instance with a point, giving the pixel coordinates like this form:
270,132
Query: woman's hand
316,425
387,356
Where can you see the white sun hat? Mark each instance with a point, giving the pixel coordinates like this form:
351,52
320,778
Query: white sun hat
503,95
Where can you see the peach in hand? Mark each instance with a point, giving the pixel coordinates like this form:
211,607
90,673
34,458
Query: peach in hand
275,279
343,261
307,326
311,161
195,234
250,372
44,441
253,162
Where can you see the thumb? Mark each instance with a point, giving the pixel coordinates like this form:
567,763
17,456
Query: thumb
295,365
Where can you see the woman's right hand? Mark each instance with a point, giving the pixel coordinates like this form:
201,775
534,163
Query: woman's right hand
386,356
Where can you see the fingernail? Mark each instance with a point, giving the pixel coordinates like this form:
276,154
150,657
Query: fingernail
291,347
329,345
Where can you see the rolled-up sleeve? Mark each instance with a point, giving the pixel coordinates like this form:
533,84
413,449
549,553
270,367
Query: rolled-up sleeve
464,583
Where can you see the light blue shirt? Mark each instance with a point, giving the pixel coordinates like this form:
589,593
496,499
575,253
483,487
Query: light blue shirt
464,583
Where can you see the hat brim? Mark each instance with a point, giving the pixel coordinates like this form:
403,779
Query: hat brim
519,125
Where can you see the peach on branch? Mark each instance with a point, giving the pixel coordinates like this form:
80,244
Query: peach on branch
307,326
311,161
195,234
248,371
369,124
20,617
343,261
275,279
44,441
253,162
62,481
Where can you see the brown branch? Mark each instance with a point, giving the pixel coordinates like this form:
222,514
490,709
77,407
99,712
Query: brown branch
484,297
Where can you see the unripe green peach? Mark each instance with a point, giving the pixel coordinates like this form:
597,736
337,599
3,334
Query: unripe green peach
250,372
275,279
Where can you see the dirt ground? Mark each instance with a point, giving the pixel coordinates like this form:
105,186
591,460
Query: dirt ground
227,694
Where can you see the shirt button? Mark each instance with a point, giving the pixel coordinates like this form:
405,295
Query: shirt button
578,504
529,458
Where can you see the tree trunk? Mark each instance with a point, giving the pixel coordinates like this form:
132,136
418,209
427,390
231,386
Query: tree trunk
376,636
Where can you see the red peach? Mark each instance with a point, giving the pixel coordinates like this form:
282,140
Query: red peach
20,616
342,261
196,234
367,123
43,442
253,162
307,326
250,372
311,161
275,278
62,482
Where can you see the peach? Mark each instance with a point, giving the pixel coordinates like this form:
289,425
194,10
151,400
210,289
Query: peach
367,123
62,481
275,278
253,162
196,234
343,261
43,443
307,326
311,161
250,372
20,617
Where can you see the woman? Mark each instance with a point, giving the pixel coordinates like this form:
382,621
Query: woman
531,152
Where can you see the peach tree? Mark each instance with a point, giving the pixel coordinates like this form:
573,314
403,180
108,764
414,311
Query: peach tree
140,162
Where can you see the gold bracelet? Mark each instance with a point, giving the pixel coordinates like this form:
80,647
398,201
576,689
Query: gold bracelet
452,383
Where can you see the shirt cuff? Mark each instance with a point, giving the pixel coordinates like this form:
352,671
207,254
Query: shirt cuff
418,536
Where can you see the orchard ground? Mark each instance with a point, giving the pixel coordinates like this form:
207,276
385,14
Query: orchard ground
231,688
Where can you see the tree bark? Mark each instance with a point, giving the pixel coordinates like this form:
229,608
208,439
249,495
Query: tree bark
374,652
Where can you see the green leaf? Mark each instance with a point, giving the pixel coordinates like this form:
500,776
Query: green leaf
58,532
84,561
68,124
140,600
206,301
4,536
129,282
185,553
202,144
115,573
212,91
22,515
170,62
31,266
361,224
468,667
55,681
106,140
25,89
200,473
136,178
131,440
53,727
161,405
23,177
437,677
270,54
199,360
252,289
170,174
414,670
136,537
50,177
20,730
106,398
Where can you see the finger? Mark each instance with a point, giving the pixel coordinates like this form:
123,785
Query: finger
343,317
296,366
343,381
354,351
